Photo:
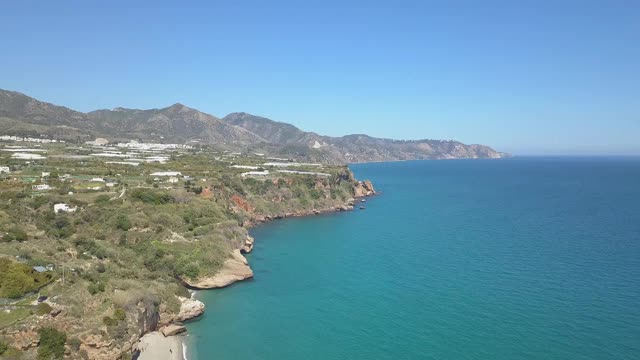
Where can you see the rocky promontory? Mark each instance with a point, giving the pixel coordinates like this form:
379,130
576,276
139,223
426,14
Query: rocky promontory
236,268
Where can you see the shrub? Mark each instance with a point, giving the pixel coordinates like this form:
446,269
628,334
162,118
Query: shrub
51,343
151,196
119,314
74,343
123,222
43,309
3,347
39,201
100,268
90,246
101,199
95,288
62,227
15,234
109,321
182,291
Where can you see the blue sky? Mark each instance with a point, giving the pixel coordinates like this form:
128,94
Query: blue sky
528,77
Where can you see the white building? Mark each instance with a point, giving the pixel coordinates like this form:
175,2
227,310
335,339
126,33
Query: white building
288,164
173,180
58,208
255,173
97,141
167,173
249,167
41,187
46,173
4,170
97,180
27,156
304,172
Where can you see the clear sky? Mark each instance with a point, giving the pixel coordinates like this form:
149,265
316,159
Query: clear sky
527,77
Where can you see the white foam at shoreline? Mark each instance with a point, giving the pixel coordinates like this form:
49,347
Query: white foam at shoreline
184,349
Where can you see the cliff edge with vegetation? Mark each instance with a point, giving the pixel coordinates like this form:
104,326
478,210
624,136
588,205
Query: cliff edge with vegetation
118,261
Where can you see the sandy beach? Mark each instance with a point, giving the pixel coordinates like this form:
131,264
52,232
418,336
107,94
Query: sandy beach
155,346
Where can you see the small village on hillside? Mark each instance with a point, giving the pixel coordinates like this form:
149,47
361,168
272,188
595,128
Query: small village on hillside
101,242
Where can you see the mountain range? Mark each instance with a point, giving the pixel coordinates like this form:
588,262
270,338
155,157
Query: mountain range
22,115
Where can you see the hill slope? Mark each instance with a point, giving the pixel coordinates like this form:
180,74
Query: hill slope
25,116
358,148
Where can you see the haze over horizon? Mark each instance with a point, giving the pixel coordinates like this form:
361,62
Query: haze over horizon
536,78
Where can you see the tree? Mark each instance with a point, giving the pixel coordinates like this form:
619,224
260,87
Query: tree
51,343
43,309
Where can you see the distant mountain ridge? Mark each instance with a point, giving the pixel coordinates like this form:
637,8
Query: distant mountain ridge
25,116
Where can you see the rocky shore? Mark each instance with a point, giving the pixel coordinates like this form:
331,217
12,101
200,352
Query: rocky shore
237,268
166,342
161,344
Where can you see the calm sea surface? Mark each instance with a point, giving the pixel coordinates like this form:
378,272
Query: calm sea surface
523,258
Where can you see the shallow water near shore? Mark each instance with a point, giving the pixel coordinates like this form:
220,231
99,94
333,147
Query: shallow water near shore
523,258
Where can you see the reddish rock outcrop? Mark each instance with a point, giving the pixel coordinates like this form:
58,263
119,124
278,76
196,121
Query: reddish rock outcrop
364,188
241,203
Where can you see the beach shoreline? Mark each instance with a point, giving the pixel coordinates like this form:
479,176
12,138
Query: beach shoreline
155,346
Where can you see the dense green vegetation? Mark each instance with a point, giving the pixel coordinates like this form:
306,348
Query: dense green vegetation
18,279
51,344
3,347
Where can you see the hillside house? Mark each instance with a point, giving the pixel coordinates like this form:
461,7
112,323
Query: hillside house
255,173
167,173
62,207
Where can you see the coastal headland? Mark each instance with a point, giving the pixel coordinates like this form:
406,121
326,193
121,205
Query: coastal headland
166,343
113,236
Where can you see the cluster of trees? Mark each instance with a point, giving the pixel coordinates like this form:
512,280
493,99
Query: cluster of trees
151,196
51,344
18,279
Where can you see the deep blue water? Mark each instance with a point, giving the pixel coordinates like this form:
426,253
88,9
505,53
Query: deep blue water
523,258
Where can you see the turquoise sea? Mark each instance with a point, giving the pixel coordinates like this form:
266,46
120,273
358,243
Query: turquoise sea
522,258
